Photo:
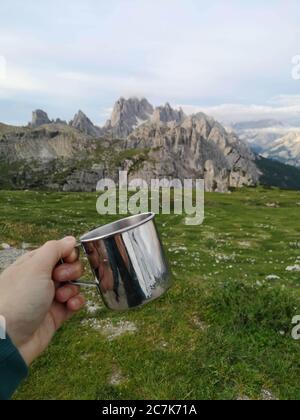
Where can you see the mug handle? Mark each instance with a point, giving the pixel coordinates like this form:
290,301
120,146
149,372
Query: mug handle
79,282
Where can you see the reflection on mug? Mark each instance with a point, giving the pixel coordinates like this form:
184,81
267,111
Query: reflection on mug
128,262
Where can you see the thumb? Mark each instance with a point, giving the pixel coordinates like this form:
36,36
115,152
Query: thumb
53,251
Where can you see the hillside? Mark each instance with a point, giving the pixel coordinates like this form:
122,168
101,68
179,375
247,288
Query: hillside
278,174
148,142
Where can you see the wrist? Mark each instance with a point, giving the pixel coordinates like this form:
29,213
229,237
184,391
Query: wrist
26,356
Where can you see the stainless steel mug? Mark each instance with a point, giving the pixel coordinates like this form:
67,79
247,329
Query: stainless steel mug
128,262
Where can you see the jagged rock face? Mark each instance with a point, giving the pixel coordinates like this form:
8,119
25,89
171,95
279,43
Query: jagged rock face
41,144
59,121
39,118
82,123
261,135
198,148
166,114
165,144
83,180
286,149
127,115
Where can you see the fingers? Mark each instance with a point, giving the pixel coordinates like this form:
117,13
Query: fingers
76,303
70,296
73,256
63,312
68,272
63,294
53,251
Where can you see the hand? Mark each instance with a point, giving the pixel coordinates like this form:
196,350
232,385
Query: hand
31,299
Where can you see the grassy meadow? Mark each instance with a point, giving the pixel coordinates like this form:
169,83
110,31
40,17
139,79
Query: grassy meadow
222,332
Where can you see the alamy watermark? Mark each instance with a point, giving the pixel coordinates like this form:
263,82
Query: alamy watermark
159,196
2,328
296,329
3,67
296,67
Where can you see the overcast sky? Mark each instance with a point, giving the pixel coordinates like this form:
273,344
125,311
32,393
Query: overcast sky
230,58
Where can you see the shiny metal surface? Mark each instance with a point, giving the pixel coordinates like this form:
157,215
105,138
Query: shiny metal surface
128,262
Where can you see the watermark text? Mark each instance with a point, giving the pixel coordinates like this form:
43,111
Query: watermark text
296,329
162,196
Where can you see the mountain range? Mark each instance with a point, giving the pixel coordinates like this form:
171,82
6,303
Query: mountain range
272,139
147,141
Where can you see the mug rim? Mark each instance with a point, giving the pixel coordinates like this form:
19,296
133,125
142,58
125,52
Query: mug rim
144,218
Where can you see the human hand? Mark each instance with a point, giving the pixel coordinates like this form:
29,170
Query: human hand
33,298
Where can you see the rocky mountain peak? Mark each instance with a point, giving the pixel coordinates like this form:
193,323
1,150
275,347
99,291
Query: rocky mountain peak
127,115
166,114
285,149
199,147
39,117
173,146
82,123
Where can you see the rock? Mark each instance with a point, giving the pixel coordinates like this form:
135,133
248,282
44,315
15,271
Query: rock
39,118
293,268
84,180
5,246
166,114
199,147
42,144
127,115
110,329
82,123
160,143
272,277
267,395
9,256
260,135
273,205
59,121
286,149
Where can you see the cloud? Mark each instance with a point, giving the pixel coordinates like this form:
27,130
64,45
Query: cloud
14,81
182,51
285,100
282,107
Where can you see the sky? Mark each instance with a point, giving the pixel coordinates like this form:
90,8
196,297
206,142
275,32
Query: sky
232,59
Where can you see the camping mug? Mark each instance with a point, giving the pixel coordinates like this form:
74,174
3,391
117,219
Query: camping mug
128,262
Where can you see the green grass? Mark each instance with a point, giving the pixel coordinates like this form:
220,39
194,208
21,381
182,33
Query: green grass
217,334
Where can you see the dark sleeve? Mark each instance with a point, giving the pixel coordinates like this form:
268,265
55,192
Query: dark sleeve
12,369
